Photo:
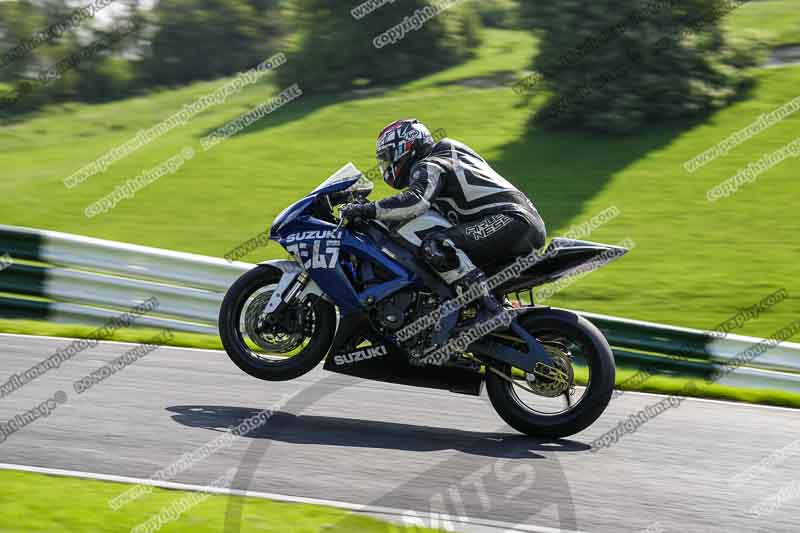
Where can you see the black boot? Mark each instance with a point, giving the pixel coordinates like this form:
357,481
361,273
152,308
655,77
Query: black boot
471,281
449,262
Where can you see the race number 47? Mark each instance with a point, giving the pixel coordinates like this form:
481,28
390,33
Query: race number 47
323,253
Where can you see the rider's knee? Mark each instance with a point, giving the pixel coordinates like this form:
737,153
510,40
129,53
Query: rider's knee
440,252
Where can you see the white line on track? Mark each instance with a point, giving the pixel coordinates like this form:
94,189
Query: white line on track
219,352
395,514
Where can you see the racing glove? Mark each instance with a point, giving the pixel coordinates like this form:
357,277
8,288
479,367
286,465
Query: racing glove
354,211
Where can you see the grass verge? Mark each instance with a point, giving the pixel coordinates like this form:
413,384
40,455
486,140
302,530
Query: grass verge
668,385
135,335
30,505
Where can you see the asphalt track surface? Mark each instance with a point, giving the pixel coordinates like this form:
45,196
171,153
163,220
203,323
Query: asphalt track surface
409,449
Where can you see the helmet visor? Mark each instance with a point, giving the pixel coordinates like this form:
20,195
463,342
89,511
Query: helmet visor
385,159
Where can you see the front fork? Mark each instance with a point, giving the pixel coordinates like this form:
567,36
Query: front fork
289,287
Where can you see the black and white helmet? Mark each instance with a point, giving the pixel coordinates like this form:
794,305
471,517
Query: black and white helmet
400,145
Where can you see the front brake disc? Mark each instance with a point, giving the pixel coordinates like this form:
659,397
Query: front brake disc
274,340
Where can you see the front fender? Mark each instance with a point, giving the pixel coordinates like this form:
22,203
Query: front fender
283,265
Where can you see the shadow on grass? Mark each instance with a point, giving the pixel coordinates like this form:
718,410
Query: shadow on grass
294,110
311,102
561,171
350,432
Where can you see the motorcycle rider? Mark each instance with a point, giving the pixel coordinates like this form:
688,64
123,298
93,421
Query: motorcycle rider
493,221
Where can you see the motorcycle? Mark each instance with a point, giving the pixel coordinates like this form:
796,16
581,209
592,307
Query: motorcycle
359,295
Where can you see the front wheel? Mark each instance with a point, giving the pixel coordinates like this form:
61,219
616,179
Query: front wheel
280,348
567,401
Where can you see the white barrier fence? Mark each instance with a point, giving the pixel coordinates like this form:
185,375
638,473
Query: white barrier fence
61,277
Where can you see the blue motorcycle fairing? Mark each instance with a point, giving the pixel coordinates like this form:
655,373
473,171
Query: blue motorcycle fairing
288,215
301,206
325,252
365,249
325,255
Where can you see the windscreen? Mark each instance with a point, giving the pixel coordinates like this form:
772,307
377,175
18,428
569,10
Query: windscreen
348,173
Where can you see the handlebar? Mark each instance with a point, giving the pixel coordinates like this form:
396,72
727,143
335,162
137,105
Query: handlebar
339,198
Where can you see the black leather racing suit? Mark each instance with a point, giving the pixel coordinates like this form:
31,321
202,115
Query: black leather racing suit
493,221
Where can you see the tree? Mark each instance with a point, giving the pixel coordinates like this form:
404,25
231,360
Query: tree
25,42
36,37
499,13
613,69
203,39
335,50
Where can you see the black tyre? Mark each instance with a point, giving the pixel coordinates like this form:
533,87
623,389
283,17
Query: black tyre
273,356
571,340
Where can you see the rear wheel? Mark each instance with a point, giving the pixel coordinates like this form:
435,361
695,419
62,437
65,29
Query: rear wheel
279,348
561,402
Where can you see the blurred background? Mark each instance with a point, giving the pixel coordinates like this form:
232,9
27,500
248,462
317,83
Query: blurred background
584,105
670,126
